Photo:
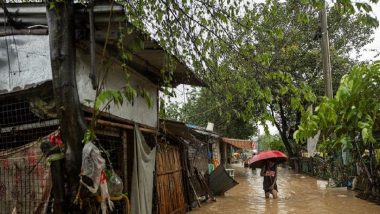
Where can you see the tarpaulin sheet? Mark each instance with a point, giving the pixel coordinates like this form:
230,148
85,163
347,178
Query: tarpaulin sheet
25,181
142,177
242,144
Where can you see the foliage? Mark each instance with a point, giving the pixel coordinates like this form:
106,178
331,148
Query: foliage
271,142
106,97
202,107
226,42
89,136
191,28
271,70
355,108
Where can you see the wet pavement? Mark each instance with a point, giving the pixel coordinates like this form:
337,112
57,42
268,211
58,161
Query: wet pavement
298,193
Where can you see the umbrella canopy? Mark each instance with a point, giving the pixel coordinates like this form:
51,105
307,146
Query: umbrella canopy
259,160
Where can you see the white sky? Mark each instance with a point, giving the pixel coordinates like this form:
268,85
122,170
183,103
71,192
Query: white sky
376,43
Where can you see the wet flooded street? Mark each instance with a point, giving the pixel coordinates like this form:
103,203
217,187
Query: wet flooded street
298,193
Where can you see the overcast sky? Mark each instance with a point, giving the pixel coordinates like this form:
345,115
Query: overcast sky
376,43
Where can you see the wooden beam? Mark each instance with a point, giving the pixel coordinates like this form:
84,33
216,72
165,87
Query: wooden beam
12,32
120,125
225,155
112,118
169,172
28,126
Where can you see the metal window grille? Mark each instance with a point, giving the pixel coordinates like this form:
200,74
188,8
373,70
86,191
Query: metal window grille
113,147
24,183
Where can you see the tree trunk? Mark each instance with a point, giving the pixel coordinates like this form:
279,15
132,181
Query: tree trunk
62,54
282,129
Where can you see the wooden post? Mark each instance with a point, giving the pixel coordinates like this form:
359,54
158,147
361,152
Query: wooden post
326,53
225,154
92,74
58,186
125,161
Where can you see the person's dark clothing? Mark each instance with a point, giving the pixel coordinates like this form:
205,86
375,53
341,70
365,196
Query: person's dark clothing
269,178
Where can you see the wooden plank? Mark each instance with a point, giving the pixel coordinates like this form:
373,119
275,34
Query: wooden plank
169,180
28,126
169,172
120,125
13,32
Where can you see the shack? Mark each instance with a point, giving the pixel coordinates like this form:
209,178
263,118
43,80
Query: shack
193,150
230,145
27,107
204,153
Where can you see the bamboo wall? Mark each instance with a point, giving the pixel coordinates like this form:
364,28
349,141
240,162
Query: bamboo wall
170,189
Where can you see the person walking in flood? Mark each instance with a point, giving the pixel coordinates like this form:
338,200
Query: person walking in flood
269,172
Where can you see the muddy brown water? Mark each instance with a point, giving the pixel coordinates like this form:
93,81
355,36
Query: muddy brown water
298,193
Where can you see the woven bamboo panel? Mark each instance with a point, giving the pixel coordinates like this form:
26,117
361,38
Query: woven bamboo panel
170,188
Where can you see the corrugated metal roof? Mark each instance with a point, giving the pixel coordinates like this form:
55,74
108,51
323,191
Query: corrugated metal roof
202,131
178,129
24,62
175,128
242,144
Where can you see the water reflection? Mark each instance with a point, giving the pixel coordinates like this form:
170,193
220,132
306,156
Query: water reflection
298,193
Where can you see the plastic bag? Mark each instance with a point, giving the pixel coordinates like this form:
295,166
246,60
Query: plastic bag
93,174
92,166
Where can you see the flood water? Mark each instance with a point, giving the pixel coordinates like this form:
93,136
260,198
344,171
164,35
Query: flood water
298,193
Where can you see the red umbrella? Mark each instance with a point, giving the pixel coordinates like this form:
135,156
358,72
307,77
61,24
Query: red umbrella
259,160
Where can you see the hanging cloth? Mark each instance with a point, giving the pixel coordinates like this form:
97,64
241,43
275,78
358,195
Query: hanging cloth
312,144
142,178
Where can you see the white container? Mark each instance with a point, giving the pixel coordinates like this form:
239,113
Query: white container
210,126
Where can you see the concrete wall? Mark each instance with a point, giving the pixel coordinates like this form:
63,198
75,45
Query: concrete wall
138,111
29,59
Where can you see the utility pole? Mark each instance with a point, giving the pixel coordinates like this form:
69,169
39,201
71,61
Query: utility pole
326,53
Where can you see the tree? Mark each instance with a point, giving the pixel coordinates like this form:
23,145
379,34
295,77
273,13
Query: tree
353,112
202,107
276,72
288,55
270,142
61,19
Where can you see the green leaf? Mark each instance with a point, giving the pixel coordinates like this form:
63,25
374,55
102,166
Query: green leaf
89,136
365,134
283,90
